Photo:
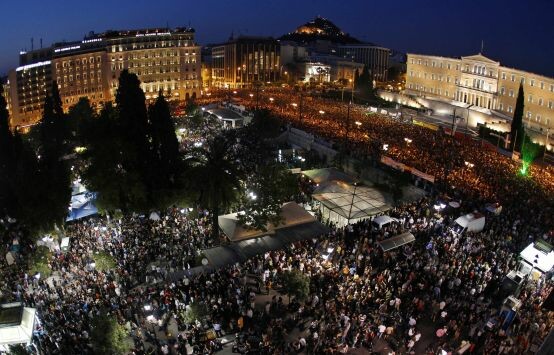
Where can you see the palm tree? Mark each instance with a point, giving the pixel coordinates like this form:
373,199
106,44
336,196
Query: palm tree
215,177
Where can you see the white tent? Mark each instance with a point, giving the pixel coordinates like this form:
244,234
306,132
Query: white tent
154,216
16,324
342,203
538,256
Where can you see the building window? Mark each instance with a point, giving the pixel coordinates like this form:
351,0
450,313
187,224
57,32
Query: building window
448,66
530,98
532,82
538,118
542,85
502,91
433,64
510,109
529,114
501,107
550,105
522,81
540,101
503,76
457,66
511,93
513,77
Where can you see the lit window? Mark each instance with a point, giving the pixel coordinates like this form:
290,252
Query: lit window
532,82
510,109
503,76
540,101
513,77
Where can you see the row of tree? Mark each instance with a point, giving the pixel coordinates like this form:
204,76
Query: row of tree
129,154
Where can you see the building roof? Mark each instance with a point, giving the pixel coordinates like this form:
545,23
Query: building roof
225,114
481,58
396,241
292,214
243,250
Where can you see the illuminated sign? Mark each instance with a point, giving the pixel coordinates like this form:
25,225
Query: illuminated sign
66,49
92,40
34,65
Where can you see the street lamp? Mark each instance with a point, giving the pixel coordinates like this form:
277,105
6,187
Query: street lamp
271,99
408,140
358,123
321,112
294,104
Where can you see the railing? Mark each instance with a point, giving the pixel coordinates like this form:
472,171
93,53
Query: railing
478,74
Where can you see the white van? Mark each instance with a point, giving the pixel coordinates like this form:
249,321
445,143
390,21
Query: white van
471,222
381,221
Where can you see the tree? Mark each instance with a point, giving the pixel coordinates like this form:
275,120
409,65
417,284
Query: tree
356,79
196,311
267,190
215,177
119,154
265,125
80,117
7,158
165,151
295,284
103,261
54,169
365,84
108,336
517,131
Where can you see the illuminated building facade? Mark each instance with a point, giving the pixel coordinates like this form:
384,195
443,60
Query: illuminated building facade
485,85
163,59
245,60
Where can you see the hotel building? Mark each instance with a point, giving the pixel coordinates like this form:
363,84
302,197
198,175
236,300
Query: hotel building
245,60
163,59
484,85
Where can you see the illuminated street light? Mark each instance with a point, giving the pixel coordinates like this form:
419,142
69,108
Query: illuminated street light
251,95
271,99
385,147
469,165
358,123
234,92
408,140
294,104
321,111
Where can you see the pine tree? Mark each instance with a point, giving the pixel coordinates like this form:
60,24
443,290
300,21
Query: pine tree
54,169
165,151
517,132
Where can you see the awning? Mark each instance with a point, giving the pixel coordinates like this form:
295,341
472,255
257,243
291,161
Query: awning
397,241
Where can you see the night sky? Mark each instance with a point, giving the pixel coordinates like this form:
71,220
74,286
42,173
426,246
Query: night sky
517,33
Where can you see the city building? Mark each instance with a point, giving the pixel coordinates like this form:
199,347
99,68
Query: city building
245,60
374,57
163,59
483,85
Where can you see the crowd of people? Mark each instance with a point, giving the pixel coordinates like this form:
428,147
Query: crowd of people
440,293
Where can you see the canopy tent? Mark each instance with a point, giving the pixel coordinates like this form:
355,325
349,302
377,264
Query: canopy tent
291,213
342,203
154,216
539,255
396,241
327,174
82,205
16,324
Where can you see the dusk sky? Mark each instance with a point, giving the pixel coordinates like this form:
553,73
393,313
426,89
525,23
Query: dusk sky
517,33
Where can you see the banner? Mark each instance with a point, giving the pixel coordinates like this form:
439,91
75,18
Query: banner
402,167
426,125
